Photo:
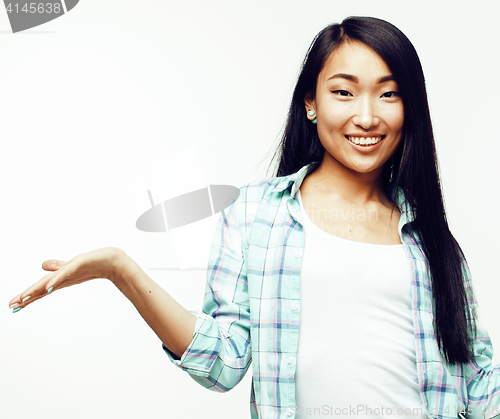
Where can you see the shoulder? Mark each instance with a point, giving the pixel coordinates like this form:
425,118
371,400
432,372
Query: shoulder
274,187
264,188
261,200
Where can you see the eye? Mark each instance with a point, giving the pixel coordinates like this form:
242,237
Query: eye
390,94
344,93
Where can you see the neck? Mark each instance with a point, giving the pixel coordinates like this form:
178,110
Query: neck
336,180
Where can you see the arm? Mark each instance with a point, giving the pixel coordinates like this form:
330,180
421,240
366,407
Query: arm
220,352
213,346
482,377
172,323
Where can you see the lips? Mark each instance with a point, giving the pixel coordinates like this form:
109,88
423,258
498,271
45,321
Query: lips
365,141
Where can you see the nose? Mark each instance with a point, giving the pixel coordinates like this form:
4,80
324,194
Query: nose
365,115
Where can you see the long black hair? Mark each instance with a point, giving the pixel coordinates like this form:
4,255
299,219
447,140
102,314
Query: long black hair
414,166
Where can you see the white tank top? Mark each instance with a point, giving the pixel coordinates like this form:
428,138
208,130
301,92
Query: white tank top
356,354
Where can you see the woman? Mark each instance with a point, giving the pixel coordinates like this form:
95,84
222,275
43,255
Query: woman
338,279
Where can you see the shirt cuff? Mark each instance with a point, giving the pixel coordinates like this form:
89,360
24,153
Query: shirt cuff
203,350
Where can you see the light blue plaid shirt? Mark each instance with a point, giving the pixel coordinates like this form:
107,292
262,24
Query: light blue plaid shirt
251,311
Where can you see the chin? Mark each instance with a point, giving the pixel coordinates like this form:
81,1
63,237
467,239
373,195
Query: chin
364,169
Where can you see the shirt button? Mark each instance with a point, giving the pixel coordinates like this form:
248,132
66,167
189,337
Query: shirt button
289,411
295,306
291,359
298,254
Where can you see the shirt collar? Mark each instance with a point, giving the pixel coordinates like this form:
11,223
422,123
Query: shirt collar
294,180
300,175
395,194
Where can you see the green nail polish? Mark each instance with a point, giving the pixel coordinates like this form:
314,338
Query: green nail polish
17,309
50,290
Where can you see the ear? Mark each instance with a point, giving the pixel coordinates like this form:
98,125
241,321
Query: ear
310,104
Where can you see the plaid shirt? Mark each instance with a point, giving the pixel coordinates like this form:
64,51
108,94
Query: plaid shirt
251,311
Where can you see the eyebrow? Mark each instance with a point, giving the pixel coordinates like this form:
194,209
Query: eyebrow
350,77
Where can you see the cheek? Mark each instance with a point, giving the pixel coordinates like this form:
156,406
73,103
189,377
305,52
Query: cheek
396,118
332,115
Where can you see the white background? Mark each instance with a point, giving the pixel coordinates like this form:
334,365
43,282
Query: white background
88,99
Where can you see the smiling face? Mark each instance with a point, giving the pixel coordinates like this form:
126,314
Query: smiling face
359,112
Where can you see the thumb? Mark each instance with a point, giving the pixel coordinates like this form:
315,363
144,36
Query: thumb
53,264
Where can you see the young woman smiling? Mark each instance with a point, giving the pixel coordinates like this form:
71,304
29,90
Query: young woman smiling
359,116
374,319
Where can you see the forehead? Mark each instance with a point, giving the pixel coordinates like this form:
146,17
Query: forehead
357,59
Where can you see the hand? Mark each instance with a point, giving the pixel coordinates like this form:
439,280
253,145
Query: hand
100,263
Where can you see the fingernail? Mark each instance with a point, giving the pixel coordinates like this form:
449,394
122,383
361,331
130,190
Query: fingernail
26,298
50,290
17,309
14,305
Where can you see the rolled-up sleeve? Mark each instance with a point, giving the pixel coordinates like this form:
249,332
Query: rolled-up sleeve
219,355
483,378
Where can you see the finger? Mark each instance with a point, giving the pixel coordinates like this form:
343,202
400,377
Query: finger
57,279
35,292
15,302
50,282
41,288
53,264
19,306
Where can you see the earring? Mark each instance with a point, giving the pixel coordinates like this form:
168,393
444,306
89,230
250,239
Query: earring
391,176
310,112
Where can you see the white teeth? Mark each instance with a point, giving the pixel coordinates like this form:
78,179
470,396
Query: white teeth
364,140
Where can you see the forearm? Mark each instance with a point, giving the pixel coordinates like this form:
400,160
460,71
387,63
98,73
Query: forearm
173,324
